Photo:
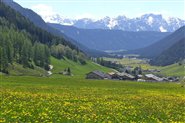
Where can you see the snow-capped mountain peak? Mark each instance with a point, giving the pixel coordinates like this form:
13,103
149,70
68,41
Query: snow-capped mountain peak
146,22
150,20
112,23
56,18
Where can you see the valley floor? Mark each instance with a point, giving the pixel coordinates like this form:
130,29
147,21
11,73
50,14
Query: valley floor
170,70
71,99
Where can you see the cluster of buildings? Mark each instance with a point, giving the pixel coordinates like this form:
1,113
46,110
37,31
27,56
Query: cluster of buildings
126,76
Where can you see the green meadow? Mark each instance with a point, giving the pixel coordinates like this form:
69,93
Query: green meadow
76,68
69,99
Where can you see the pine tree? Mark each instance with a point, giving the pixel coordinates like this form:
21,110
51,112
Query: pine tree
4,61
26,54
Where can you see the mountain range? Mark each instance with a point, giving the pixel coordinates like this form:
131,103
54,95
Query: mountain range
111,40
171,55
146,22
166,51
158,47
162,47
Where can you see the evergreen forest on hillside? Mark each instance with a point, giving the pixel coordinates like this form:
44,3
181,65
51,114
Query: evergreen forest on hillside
24,43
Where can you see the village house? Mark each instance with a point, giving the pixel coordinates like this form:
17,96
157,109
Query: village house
171,79
151,77
141,80
125,76
139,76
97,75
122,76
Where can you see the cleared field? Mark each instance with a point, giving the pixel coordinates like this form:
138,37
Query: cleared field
67,99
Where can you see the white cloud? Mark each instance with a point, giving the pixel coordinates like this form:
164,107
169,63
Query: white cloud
43,10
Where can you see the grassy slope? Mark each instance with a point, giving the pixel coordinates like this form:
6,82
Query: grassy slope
76,68
17,69
59,65
173,70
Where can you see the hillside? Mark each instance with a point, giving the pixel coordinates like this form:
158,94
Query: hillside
39,22
23,43
36,33
173,70
18,70
110,40
171,55
31,15
157,48
16,46
76,68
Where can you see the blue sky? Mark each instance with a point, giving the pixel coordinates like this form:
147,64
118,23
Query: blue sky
101,8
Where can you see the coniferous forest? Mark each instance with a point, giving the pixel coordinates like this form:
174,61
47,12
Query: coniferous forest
24,43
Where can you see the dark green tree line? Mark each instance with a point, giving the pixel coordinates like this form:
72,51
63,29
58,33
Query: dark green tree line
15,46
24,43
60,51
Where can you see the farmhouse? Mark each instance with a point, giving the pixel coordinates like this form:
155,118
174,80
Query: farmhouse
139,76
126,76
122,76
97,75
151,77
171,79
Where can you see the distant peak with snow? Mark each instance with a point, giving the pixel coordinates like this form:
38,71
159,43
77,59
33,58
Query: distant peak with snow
146,22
